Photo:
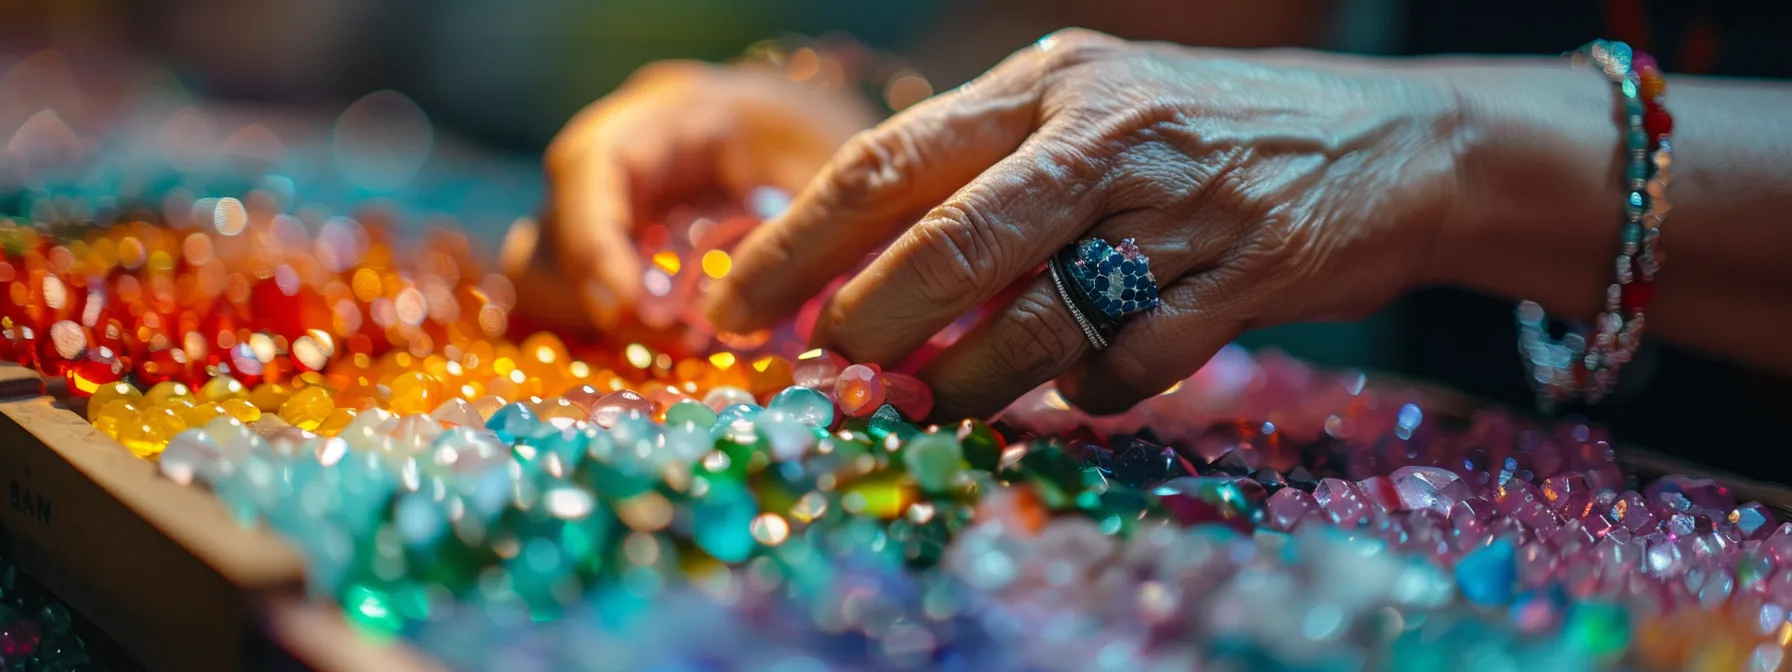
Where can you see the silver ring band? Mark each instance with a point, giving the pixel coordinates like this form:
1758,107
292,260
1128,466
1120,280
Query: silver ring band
1070,303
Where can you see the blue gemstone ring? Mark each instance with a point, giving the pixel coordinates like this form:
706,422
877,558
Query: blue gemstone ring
1102,285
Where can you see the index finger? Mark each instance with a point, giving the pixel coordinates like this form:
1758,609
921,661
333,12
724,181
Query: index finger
907,164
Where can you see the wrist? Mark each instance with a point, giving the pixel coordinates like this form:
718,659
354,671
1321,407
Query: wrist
1539,173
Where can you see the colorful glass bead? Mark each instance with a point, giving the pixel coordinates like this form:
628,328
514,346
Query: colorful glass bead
415,393
804,405
108,393
203,413
307,408
458,412
241,409
691,412
165,392
722,397
616,405
149,432
515,421
99,368
269,396
115,414
1486,575
220,388
860,389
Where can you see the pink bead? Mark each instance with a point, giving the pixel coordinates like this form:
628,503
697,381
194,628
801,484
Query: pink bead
608,410
860,390
909,395
819,372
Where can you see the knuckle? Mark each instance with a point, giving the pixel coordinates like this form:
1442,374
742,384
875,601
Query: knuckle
1069,47
873,163
958,252
1040,339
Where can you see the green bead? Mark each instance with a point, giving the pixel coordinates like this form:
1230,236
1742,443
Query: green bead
982,447
692,412
887,421
1600,629
933,459
804,405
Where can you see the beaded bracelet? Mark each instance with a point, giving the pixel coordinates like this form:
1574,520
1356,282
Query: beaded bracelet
1573,365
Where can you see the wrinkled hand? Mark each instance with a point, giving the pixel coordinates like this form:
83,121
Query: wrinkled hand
1264,187
677,131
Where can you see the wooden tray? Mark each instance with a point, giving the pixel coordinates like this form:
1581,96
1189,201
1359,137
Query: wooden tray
159,566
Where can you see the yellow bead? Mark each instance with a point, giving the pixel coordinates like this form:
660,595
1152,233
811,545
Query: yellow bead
307,408
333,424
221,388
201,414
109,393
269,396
415,393
242,409
167,391
149,433
114,415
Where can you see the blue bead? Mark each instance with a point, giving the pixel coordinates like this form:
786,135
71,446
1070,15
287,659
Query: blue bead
1631,233
1485,575
1126,295
1101,284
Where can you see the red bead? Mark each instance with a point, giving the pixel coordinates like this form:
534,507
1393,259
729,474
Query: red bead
162,366
19,639
98,368
1657,122
63,345
1637,295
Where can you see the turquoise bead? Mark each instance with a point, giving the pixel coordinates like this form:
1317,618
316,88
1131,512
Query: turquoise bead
1637,170
722,521
514,422
1486,574
804,405
1638,140
1631,234
933,459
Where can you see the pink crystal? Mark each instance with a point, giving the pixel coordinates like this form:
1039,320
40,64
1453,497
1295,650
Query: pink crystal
1569,494
1380,492
1702,492
1288,507
1429,488
860,390
1342,501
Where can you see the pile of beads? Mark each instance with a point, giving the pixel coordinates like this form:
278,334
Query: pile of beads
996,545
36,631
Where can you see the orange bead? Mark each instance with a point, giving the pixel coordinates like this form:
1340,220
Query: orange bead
1650,84
415,393
769,375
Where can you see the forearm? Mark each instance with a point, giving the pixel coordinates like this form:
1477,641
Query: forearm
1542,206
